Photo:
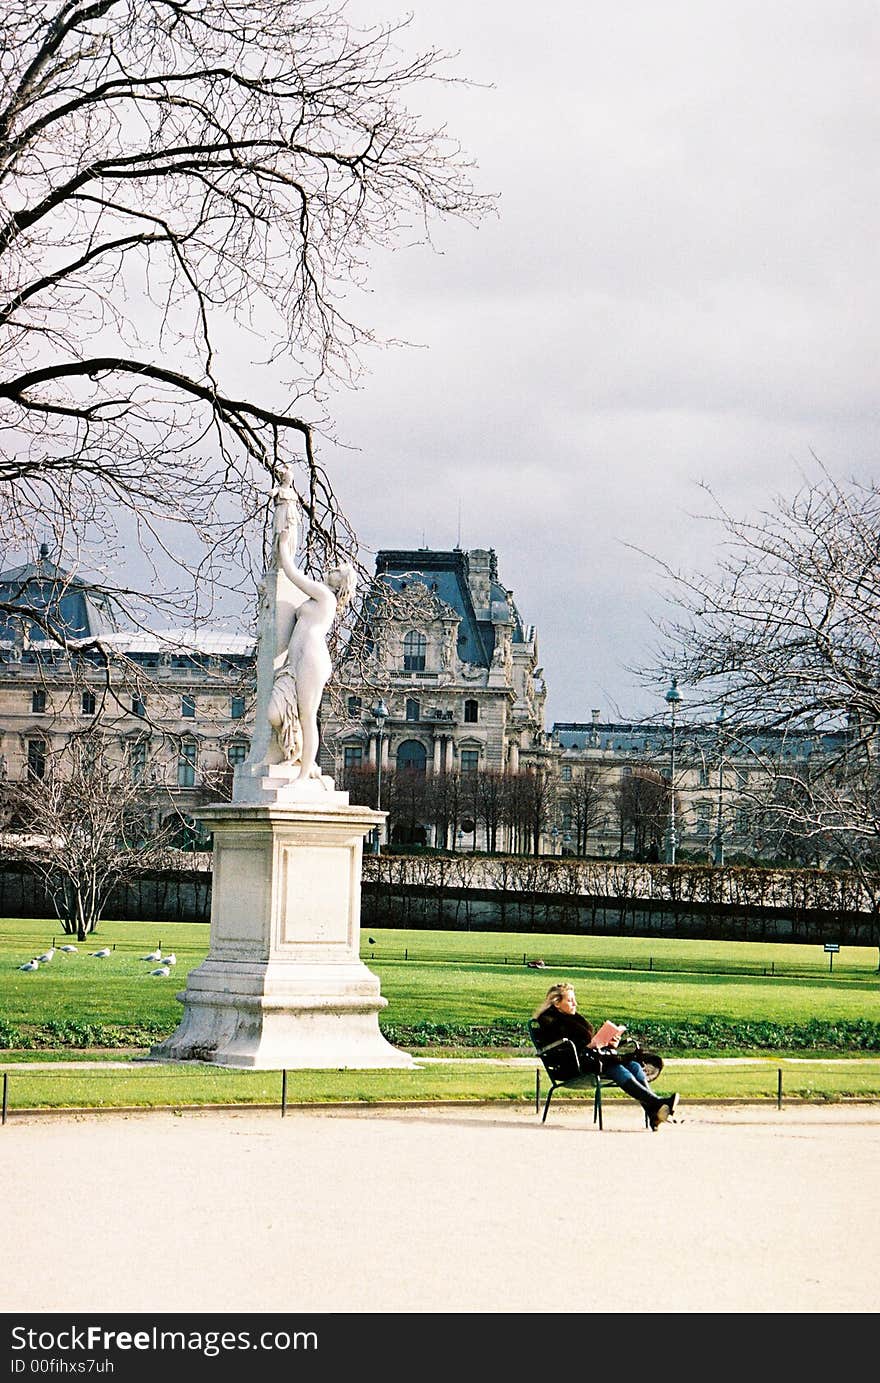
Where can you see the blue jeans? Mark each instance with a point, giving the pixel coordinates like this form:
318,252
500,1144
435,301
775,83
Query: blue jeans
631,1078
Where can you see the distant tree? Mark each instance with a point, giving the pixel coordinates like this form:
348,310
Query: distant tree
530,801
641,803
585,802
84,827
490,786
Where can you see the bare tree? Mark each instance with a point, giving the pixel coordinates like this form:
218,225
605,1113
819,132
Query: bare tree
85,825
641,803
786,634
188,188
585,800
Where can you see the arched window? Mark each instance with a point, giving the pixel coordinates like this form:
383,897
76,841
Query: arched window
415,646
412,757
471,712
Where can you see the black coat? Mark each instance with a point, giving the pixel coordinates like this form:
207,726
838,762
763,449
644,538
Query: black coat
555,1024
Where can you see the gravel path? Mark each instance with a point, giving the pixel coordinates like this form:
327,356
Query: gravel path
735,1209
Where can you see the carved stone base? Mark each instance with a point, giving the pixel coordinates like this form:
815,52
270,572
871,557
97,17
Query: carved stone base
283,985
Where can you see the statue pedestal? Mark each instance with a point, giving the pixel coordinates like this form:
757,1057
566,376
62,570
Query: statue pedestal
283,985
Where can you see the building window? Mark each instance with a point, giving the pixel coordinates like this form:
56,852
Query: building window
36,750
38,702
353,755
415,646
413,710
704,812
354,706
188,707
88,703
236,753
565,773
138,708
137,755
412,757
469,760
186,764
704,775
236,708
471,712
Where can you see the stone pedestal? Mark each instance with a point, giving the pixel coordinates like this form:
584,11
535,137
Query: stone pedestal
283,985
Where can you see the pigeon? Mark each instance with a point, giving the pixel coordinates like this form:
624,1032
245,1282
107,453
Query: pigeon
162,970
46,956
154,955
68,948
30,965
104,952
372,940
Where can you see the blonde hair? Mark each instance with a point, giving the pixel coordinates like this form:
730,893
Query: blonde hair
552,997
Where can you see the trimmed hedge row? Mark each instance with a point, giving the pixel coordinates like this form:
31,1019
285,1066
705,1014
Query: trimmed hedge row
708,1035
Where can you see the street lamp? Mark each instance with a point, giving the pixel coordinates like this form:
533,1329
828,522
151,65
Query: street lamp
380,715
718,852
673,698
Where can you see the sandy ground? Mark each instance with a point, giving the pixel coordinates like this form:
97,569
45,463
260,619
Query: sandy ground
735,1209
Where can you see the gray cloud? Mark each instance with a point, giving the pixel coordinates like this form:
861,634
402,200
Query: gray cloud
681,285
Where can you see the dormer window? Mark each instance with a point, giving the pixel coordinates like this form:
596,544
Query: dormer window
415,647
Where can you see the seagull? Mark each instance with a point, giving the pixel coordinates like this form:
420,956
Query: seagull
46,956
104,952
169,960
68,948
162,970
30,965
154,955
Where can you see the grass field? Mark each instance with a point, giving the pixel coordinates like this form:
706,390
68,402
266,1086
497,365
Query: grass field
464,978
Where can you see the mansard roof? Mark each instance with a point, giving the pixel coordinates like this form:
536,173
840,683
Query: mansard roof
447,575
79,609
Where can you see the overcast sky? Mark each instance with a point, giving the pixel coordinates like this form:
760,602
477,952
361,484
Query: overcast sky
680,286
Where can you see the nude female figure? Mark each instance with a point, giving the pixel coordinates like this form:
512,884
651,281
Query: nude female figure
303,673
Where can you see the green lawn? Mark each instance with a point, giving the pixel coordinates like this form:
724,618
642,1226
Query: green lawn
458,978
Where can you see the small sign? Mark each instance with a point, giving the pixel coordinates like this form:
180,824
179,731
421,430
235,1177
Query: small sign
831,946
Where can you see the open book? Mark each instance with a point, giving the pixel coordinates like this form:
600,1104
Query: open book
608,1035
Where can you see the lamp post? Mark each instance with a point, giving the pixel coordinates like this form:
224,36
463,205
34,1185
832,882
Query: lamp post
673,699
380,715
718,851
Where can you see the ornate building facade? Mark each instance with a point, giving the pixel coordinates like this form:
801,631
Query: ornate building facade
455,667
173,704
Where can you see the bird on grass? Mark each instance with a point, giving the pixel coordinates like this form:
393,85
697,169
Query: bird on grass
154,955
46,956
104,952
372,940
170,959
30,965
162,970
68,948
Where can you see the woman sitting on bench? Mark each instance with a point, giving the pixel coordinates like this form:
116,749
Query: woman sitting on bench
558,1017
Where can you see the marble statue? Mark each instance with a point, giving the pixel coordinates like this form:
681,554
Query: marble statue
302,665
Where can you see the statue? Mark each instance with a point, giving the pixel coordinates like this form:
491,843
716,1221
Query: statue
302,664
